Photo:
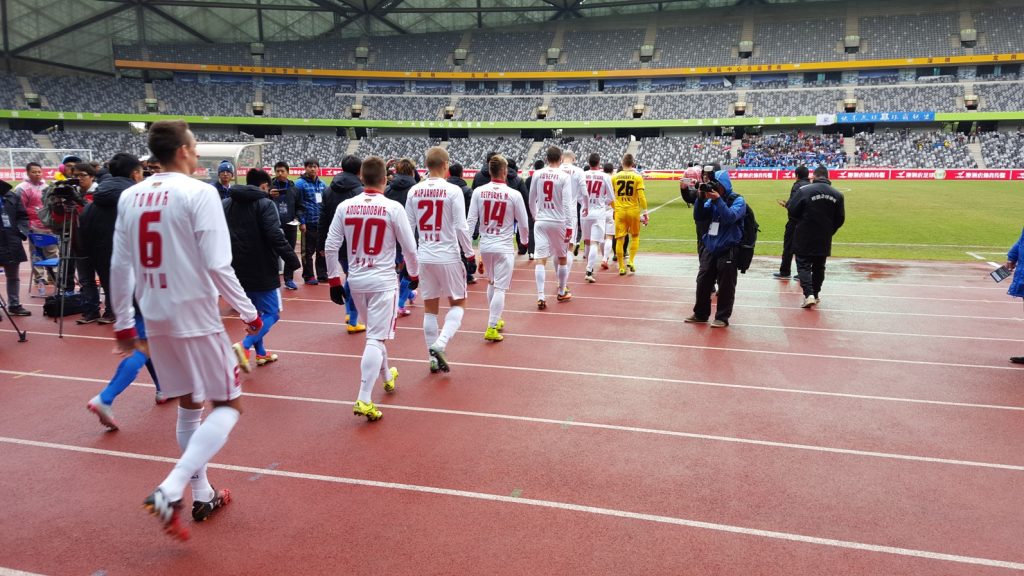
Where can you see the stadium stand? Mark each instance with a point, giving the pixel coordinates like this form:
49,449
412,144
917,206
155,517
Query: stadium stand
404,107
793,102
774,41
204,99
392,147
497,109
1003,149
583,109
470,152
1000,31
610,149
93,94
1001,96
682,46
906,149
490,50
427,52
911,98
899,36
305,101
294,150
103,144
205,136
333,54
678,152
602,49
9,89
710,105
791,149
235,54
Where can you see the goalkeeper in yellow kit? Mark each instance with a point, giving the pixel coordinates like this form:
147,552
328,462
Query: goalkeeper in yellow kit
630,211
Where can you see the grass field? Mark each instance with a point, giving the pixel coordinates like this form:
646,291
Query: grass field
901,220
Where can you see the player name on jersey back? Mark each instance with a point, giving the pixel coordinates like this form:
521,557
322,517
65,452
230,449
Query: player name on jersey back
436,210
599,192
496,208
370,229
551,189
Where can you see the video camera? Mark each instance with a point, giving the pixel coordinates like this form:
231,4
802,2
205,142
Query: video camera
68,190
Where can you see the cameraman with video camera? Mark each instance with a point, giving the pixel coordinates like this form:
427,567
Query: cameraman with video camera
62,203
718,250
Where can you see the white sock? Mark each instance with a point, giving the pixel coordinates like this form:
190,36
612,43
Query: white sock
591,256
568,262
497,306
452,321
563,278
429,329
540,272
606,249
385,368
369,368
202,447
188,423
490,292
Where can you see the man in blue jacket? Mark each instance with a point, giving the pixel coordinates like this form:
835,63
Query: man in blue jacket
718,253
311,191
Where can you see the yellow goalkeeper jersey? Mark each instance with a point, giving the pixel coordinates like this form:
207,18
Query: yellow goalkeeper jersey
628,188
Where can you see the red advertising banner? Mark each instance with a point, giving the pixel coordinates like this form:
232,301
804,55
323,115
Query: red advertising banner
752,174
978,174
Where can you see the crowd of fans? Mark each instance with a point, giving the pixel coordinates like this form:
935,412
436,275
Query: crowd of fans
791,149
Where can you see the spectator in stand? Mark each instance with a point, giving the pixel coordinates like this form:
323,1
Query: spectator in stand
311,191
455,177
819,212
30,192
344,186
483,177
786,268
289,209
531,247
225,174
257,241
87,270
13,231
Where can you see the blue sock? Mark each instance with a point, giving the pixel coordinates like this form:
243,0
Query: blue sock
268,322
152,374
350,307
403,292
126,372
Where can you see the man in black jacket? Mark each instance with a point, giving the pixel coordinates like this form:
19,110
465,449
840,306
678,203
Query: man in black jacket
13,231
483,176
289,209
455,177
819,212
344,185
515,182
786,270
537,165
256,243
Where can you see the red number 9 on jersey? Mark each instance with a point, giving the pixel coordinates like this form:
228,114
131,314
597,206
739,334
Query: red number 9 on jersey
150,242
549,190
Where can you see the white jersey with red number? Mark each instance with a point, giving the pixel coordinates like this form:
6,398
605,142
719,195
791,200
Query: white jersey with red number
370,225
599,193
172,253
437,211
551,197
497,208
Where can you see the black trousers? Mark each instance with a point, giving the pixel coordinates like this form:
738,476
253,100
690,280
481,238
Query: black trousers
290,234
812,273
529,247
720,269
786,268
310,238
87,274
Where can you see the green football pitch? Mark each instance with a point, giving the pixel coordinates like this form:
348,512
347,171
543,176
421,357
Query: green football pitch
900,220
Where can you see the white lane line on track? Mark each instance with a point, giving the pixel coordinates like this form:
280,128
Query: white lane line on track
616,428
565,506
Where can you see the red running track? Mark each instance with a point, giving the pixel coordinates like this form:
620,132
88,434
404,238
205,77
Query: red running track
878,434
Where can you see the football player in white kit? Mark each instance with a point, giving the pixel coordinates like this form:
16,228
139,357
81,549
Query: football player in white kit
497,208
554,208
370,225
595,211
172,254
437,210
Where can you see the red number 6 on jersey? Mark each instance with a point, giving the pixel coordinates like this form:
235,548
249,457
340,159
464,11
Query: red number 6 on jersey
150,242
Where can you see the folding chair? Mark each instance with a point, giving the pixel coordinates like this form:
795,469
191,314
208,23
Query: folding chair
40,241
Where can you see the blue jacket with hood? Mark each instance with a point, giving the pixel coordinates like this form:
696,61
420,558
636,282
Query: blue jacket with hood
729,218
1017,285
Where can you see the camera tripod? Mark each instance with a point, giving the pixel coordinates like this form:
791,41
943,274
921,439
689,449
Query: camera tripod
22,334
66,259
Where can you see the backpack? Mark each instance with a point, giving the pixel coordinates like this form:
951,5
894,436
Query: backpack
72,305
745,250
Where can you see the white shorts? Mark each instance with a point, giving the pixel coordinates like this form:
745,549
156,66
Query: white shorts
498,267
550,240
442,281
204,367
593,229
609,223
379,310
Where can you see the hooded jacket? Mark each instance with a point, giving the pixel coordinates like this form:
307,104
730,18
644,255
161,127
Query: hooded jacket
96,224
343,186
728,212
467,192
256,239
398,189
15,231
818,210
1017,284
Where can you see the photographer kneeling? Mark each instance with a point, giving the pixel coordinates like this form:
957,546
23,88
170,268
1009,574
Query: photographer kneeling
718,249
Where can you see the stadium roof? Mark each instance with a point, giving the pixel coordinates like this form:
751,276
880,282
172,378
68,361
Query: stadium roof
77,35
